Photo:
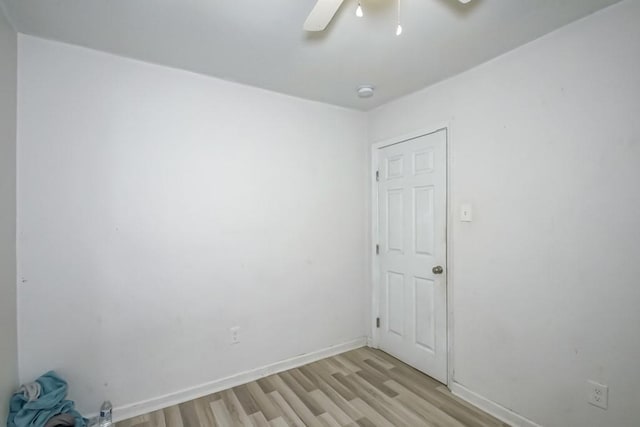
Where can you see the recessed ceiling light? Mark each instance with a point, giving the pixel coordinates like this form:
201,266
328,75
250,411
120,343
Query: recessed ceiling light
365,91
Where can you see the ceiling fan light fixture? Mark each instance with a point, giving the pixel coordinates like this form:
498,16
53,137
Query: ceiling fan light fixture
324,11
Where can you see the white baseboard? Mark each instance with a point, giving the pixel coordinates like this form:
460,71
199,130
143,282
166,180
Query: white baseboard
134,409
491,407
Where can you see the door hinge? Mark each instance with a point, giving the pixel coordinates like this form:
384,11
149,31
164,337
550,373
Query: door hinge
377,249
377,322
377,175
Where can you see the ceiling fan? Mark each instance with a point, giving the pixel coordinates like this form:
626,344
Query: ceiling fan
323,13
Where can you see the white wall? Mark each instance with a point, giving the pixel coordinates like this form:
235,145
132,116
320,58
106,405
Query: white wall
546,146
159,208
8,339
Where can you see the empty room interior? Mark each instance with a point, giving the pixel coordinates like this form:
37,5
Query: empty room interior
320,213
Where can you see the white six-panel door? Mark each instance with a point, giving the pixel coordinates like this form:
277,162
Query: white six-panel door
412,245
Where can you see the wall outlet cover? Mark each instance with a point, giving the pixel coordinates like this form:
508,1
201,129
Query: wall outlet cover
598,394
235,334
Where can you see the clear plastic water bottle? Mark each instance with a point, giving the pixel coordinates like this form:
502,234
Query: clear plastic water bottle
105,414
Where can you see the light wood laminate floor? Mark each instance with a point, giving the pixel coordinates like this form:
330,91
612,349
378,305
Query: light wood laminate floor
363,387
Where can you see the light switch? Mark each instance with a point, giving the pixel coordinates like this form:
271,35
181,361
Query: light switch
465,212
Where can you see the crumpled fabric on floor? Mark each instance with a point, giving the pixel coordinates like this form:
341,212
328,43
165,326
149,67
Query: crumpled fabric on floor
31,391
50,403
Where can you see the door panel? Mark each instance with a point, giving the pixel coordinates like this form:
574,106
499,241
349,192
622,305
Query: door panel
395,307
395,219
423,220
412,237
424,307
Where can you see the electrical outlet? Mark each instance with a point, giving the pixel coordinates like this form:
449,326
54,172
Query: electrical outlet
235,334
598,394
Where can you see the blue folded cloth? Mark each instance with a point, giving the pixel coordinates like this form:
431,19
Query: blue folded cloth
51,401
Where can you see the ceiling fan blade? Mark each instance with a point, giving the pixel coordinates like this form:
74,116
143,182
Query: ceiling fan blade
321,15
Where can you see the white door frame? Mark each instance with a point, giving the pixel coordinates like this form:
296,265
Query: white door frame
375,265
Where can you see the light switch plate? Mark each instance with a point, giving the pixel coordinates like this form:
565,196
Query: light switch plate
465,212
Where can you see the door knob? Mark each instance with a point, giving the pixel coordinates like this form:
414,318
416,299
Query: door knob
437,269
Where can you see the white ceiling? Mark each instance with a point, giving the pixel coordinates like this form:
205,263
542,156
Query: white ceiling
261,42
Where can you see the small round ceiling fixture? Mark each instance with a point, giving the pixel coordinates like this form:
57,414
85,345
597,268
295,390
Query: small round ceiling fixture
365,91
